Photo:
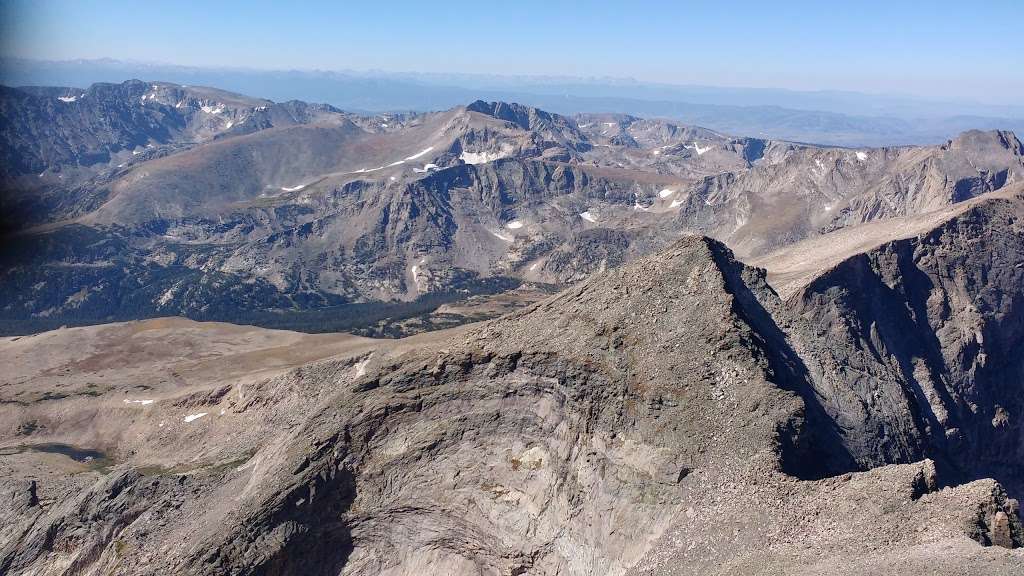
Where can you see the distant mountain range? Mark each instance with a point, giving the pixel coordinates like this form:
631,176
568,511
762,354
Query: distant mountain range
152,198
823,117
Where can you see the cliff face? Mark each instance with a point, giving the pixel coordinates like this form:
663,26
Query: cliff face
917,344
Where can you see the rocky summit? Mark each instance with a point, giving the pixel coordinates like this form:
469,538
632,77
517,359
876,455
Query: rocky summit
617,345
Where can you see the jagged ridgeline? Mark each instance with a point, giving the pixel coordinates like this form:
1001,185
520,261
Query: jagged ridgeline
714,355
151,199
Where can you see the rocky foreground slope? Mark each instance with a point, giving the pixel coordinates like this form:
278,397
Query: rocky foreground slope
672,416
147,199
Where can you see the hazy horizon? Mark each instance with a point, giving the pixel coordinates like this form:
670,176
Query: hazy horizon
553,78
944,50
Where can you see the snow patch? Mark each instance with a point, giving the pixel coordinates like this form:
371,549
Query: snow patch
588,216
426,168
421,153
293,188
166,296
192,417
143,402
365,170
666,193
862,156
504,237
213,110
68,99
480,157
361,365
676,202
700,151
514,225
416,275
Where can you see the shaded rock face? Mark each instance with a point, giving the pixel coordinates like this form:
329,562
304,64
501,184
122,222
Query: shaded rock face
55,128
921,347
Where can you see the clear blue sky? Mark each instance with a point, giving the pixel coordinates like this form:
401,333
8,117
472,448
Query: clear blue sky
939,48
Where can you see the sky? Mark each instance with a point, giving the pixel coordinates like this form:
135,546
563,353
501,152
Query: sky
937,49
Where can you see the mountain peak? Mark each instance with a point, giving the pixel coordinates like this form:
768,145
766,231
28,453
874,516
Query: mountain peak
526,117
987,140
